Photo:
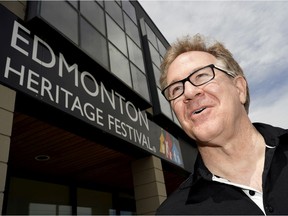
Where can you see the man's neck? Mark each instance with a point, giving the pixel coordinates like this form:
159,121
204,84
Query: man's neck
239,159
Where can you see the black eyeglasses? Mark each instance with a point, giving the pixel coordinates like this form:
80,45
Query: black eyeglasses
197,78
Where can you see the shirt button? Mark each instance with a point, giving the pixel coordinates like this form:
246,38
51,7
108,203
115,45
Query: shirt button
251,192
269,208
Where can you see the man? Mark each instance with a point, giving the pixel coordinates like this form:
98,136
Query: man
241,167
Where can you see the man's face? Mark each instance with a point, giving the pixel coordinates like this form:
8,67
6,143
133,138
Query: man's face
207,113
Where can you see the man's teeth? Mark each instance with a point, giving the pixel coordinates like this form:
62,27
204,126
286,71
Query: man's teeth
198,111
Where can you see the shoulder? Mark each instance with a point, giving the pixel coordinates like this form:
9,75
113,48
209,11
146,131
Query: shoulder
270,132
263,127
176,201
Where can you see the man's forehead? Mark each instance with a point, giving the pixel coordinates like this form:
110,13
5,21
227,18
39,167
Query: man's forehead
195,56
192,60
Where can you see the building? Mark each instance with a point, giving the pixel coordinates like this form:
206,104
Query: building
84,128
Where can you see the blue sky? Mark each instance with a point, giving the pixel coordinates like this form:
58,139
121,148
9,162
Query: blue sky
256,32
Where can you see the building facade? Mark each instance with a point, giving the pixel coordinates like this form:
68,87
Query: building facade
84,128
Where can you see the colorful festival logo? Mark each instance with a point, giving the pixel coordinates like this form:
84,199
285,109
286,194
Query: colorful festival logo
169,147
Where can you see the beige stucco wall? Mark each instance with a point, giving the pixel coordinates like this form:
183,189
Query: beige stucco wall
7,103
149,185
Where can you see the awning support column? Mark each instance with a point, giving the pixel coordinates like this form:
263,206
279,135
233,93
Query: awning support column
149,184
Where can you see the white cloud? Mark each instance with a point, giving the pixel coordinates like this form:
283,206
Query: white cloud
272,112
254,31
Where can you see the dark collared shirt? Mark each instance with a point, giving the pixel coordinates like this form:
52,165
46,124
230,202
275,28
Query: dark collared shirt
199,194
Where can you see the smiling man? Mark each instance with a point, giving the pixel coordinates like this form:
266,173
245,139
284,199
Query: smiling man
241,167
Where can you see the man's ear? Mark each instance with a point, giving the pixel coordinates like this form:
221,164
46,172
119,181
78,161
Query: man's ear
241,85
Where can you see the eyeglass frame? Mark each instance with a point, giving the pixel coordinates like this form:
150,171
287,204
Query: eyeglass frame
183,81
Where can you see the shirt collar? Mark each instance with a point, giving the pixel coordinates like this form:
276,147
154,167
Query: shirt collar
200,172
271,136
270,133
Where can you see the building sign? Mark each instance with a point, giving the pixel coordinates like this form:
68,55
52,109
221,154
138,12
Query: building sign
30,65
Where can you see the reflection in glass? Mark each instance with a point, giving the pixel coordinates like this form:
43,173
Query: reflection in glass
140,82
130,10
116,35
28,197
84,210
92,202
94,14
74,3
42,209
162,49
101,2
132,30
165,105
154,55
64,22
119,65
156,75
115,12
49,209
94,43
175,119
151,36
135,54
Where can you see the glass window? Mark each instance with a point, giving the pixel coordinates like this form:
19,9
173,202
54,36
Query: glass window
118,2
64,22
130,10
151,36
27,197
94,14
101,2
132,30
115,12
175,119
161,59
165,106
156,75
162,49
94,43
91,202
154,55
42,209
119,65
140,82
49,209
116,35
74,3
31,197
135,54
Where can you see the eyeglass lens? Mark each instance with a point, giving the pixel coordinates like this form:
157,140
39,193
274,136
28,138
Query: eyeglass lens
197,78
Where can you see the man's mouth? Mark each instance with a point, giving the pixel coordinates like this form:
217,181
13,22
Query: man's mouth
199,110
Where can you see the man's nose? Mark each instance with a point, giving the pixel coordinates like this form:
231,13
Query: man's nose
190,90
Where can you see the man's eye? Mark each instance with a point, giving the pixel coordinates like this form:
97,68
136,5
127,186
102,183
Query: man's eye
176,90
202,76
